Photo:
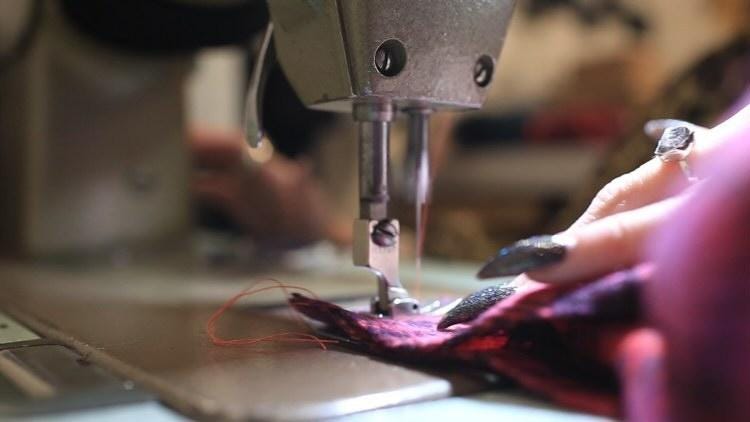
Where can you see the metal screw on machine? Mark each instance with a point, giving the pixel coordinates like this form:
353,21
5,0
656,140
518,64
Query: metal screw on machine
390,58
384,234
483,70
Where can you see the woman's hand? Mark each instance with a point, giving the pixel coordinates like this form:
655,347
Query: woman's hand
278,202
611,233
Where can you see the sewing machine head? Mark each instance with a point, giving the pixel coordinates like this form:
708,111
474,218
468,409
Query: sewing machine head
374,59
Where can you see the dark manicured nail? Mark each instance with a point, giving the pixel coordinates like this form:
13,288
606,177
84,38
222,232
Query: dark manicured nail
474,304
525,255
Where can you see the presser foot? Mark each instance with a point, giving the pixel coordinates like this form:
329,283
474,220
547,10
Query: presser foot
376,248
405,305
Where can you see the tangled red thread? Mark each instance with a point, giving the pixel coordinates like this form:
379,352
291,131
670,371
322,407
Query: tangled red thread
286,336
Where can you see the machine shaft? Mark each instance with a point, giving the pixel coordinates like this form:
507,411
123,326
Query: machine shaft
373,169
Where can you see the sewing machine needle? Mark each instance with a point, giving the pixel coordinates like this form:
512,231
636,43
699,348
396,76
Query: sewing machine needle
419,146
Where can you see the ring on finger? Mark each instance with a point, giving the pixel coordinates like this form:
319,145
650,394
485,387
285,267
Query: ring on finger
675,145
655,128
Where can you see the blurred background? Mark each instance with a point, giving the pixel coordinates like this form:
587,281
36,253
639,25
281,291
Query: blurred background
575,83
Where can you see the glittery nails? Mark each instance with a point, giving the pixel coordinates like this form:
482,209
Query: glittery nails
525,255
475,304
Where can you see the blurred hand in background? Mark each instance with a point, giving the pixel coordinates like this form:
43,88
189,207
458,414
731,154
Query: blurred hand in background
278,203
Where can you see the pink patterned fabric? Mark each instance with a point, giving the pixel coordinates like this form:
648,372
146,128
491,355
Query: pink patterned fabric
700,303
558,341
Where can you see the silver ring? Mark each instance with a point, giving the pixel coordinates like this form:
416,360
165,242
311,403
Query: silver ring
675,145
655,128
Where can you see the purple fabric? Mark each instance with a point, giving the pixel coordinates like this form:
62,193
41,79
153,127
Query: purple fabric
741,103
561,342
700,301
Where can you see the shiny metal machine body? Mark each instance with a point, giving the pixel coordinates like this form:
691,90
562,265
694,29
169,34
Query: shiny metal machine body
144,321
328,49
376,59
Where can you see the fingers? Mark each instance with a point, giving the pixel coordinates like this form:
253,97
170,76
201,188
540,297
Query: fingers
611,232
216,150
226,192
279,203
737,125
607,244
649,183
207,137
219,188
656,180
524,283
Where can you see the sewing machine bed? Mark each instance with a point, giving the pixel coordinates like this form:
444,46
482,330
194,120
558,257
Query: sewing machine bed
145,323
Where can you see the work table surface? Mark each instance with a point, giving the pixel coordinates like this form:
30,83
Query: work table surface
146,322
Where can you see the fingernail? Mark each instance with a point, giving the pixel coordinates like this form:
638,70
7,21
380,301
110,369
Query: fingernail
474,304
526,255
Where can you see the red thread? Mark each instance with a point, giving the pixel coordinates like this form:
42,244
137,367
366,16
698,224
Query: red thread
287,336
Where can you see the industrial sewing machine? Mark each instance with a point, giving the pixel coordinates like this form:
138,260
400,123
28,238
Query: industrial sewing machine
92,158
375,59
